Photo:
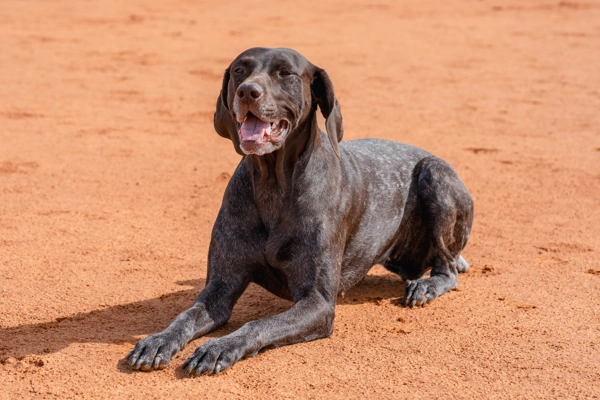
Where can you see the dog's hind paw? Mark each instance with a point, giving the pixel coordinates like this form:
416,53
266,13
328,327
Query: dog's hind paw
153,352
419,292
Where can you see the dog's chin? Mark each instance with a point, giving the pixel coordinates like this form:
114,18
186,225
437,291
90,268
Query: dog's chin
266,145
259,149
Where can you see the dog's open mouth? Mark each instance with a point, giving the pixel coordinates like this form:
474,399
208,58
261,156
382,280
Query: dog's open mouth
255,130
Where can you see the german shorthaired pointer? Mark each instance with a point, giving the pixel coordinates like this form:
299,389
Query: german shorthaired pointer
306,217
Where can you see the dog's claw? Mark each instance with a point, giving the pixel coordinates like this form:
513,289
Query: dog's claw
189,365
158,363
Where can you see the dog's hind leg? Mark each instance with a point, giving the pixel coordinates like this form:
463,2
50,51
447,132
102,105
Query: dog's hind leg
443,278
447,218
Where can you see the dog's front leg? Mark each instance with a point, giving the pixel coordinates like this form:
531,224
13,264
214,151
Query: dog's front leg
211,309
310,318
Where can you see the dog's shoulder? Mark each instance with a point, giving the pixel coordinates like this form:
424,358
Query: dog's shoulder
239,191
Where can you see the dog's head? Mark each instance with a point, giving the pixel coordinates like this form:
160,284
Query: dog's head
268,94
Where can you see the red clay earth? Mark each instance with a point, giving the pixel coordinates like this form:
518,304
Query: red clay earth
111,176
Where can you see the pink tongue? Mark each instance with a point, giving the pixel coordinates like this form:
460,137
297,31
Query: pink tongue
253,129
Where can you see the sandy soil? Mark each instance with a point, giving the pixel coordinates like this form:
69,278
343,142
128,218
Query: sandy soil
111,176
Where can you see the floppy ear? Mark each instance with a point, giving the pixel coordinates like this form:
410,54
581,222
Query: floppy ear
223,121
322,90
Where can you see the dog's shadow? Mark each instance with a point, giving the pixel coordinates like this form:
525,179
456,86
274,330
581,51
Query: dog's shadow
375,288
119,324
127,323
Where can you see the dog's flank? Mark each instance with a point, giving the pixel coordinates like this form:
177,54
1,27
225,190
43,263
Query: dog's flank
306,217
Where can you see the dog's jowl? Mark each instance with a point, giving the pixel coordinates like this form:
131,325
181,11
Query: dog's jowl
306,216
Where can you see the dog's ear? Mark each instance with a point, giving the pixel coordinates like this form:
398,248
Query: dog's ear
223,121
322,91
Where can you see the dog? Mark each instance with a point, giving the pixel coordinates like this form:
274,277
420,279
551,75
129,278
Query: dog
306,217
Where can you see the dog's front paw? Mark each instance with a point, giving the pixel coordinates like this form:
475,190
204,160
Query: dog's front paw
153,352
215,355
419,292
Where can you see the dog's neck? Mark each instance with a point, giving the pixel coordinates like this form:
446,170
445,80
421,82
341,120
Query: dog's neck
273,173
275,170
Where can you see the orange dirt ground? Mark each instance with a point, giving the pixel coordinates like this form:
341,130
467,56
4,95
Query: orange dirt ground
111,176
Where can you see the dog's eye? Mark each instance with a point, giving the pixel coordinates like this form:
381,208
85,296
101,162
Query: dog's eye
239,70
285,72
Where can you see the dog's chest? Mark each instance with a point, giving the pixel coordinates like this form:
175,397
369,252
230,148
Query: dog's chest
281,247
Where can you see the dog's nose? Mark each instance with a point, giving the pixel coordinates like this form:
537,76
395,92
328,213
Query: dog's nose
249,92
